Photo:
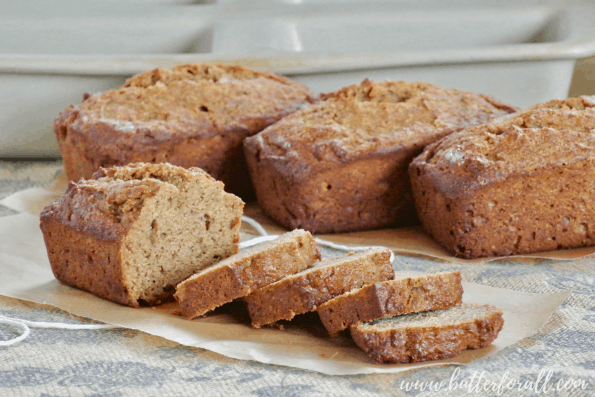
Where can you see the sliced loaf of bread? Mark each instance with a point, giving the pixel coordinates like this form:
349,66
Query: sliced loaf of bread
131,234
403,295
425,336
305,291
246,271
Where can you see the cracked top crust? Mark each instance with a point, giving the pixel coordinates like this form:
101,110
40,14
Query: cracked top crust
108,204
370,118
205,95
171,174
562,132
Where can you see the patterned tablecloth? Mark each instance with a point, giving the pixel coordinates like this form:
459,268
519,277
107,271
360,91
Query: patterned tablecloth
559,360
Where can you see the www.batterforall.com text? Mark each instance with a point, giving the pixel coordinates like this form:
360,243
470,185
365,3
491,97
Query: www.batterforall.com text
478,383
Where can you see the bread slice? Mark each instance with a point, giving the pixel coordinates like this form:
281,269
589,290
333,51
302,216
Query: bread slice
428,335
246,271
405,294
305,291
131,234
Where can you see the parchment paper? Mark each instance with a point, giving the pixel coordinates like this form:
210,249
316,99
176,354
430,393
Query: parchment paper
304,343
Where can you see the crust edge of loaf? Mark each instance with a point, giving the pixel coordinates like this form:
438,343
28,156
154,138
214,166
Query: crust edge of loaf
390,298
485,223
401,347
318,204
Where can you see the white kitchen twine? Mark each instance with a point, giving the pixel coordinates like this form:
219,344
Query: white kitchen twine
264,236
24,326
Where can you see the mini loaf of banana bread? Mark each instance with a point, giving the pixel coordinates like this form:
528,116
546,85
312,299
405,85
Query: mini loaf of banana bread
403,295
132,233
341,165
305,291
428,336
246,271
520,185
192,116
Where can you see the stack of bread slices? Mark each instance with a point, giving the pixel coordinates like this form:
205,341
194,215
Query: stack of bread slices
395,318
136,234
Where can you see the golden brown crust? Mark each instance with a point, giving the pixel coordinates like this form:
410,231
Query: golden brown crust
200,71
242,273
84,231
85,260
390,298
408,344
513,186
341,165
305,291
191,116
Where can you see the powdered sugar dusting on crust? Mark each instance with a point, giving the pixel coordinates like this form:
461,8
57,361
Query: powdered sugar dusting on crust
225,80
481,159
459,155
453,154
120,125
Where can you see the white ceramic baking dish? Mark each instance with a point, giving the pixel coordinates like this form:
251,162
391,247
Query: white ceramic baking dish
521,52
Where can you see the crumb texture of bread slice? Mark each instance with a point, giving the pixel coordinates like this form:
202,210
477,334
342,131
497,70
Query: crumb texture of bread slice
132,233
194,115
246,271
517,185
403,295
426,336
305,291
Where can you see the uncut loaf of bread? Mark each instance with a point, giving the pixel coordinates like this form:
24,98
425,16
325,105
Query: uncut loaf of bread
246,271
305,291
403,295
425,336
132,233
523,184
191,115
341,165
